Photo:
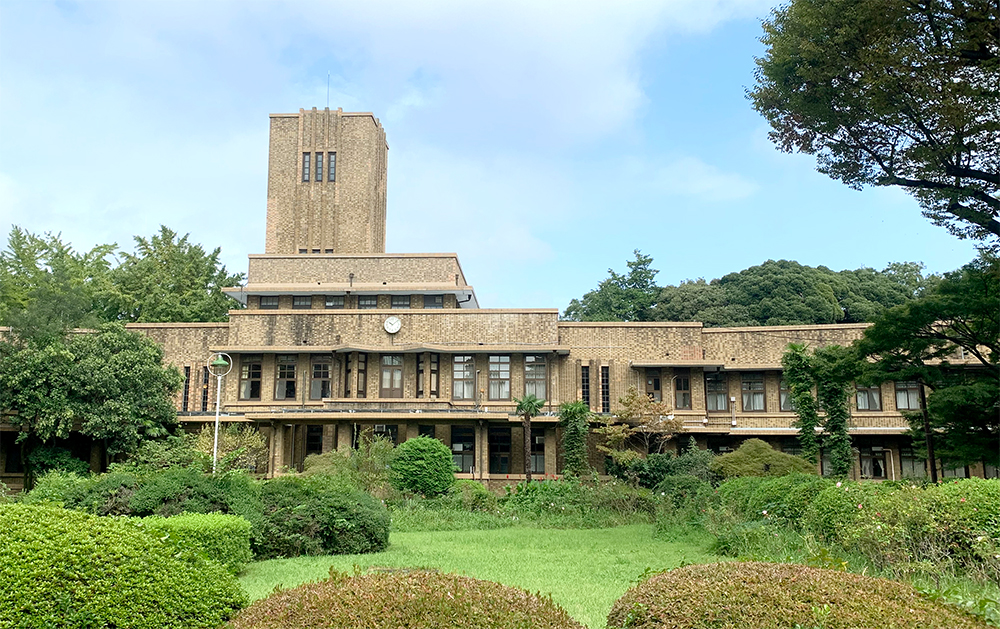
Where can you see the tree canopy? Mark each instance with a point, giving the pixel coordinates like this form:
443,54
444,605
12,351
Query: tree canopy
892,93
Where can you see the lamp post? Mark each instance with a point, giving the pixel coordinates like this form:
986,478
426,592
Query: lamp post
219,365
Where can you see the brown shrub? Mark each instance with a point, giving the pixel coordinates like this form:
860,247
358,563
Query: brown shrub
756,595
428,600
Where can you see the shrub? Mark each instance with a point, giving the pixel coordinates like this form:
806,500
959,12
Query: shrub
786,497
314,516
572,502
428,600
470,495
155,455
241,448
175,491
219,537
771,596
651,470
63,568
757,458
365,468
45,458
422,466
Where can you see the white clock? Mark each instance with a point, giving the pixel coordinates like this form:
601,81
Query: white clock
392,325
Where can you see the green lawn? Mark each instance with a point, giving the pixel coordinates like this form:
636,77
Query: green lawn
585,571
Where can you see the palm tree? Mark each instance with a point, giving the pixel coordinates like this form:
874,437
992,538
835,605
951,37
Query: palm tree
527,407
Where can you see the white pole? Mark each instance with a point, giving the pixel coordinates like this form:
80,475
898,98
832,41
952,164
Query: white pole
215,446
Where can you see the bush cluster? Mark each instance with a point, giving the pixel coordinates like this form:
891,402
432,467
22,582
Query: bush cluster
428,600
756,457
219,537
757,595
64,568
422,466
650,471
583,503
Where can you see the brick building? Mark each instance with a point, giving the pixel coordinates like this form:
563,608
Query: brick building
340,339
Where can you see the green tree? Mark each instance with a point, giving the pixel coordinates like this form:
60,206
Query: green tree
574,417
422,465
171,279
797,371
892,93
110,385
629,297
527,407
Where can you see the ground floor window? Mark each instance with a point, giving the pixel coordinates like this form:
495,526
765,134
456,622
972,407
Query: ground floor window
463,448
499,441
389,432
872,461
314,440
911,465
537,450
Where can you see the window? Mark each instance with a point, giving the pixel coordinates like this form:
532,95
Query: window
463,448
537,450
389,432
321,386
912,465
314,440
269,302
328,251
791,445
499,443
303,251
392,376
319,174
187,386
331,167
347,375
535,377
585,385
682,389
12,463
367,302
315,250
334,301
463,383
716,391
400,301
907,396
955,472
653,388
250,376
434,371
872,460
752,385
284,383
301,302
785,397
433,301
305,166
499,381
869,398
362,375
605,389
425,430
204,389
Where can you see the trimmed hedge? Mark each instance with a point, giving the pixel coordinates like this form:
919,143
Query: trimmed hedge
219,537
429,600
757,458
422,466
64,568
757,595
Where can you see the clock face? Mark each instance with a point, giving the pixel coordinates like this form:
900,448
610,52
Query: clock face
392,325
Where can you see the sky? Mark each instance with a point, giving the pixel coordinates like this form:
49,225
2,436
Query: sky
541,141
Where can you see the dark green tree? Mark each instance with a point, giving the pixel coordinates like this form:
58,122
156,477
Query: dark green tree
574,417
527,407
422,465
629,297
892,93
796,365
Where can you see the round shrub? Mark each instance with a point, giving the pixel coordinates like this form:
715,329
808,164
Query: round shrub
64,568
757,595
757,458
422,466
315,516
429,600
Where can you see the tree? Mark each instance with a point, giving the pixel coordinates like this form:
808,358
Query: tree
629,297
892,93
422,465
170,279
110,386
574,417
527,407
797,371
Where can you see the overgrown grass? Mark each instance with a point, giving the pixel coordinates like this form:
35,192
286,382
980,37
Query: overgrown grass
585,571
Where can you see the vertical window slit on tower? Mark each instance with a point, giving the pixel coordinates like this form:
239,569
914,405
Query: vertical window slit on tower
187,388
204,388
585,385
605,389
331,166
305,167
319,167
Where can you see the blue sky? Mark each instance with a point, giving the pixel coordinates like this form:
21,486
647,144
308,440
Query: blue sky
541,141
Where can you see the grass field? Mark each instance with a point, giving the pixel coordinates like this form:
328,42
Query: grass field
585,571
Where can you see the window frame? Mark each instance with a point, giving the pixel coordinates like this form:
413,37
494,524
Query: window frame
433,302
285,371
318,170
391,365
400,302
682,389
716,384
321,371
302,302
497,365
331,165
273,302
912,391
361,367
467,377
250,375
306,157
462,456
585,384
869,393
330,302
367,302
535,364
748,379
435,376
501,446
605,388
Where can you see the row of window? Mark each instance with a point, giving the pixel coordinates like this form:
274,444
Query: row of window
364,302
312,168
391,377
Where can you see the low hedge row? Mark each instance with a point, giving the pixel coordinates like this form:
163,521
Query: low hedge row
64,568
222,538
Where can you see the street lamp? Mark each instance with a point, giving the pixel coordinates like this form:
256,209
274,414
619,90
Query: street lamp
220,364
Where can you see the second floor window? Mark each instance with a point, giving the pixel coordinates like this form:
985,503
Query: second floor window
422,374
269,302
250,376
682,389
321,385
463,384
869,398
334,301
367,302
400,301
907,396
302,302
284,388
785,401
499,377
392,376
752,386
716,391
535,376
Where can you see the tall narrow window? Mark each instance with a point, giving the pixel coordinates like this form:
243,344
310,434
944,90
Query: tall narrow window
499,378
585,385
433,301
187,387
785,397
499,443
392,376
870,398
400,301
682,389
752,386
653,388
314,440
321,385
284,384
331,167
908,396
422,374
362,375
537,450
204,389
535,376
305,167
347,375
367,302
463,448
319,170
463,382
716,393
605,389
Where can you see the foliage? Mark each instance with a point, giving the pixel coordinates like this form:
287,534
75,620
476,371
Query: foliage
629,297
215,536
649,472
772,596
404,598
684,499
965,418
471,495
796,367
45,458
178,490
574,417
891,93
756,458
365,468
241,447
315,516
641,419
150,457
62,568
171,279
572,502
422,465
527,407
